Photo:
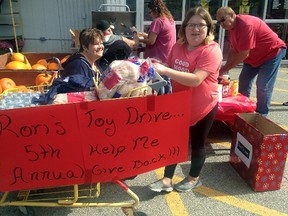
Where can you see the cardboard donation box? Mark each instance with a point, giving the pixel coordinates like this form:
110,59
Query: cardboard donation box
258,152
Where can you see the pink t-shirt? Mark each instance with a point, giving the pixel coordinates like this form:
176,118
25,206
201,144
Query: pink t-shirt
166,38
251,33
207,58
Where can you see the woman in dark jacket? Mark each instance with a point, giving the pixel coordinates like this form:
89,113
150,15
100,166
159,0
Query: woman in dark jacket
83,62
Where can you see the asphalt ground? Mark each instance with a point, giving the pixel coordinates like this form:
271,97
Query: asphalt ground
223,191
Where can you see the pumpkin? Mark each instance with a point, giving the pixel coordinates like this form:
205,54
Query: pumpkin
17,57
42,62
21,88
43,79
28,65
16,65
64,59
21,58
0,89
7,83
38,67
53,66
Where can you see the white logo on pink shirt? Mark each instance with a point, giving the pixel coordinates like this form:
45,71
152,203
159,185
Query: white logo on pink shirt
181,65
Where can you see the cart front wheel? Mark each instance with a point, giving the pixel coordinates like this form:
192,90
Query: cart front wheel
128,211
26,211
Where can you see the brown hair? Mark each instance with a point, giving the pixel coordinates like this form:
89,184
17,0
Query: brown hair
88,36
208,19
159,7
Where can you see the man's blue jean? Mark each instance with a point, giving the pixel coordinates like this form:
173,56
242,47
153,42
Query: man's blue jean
267,73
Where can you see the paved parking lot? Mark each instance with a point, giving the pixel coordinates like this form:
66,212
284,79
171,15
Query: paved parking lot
223,192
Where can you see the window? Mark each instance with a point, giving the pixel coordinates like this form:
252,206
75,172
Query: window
277,9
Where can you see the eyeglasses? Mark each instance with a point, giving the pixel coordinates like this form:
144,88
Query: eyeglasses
223,19
191,26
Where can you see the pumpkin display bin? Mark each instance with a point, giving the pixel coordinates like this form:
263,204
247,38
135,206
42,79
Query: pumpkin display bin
26,76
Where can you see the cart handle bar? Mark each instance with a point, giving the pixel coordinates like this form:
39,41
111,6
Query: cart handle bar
58,63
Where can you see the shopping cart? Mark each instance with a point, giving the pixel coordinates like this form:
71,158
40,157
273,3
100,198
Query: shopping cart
75,195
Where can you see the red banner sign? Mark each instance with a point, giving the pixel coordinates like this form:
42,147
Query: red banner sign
88,142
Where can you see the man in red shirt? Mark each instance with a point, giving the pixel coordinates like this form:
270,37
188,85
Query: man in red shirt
260,49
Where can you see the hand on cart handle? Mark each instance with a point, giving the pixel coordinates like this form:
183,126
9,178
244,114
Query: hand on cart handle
158,82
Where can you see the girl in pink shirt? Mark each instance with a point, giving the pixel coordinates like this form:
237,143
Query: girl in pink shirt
194,64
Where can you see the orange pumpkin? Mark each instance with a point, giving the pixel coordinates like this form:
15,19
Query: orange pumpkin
24,89
28,65
17,57
52,66
38,67
21,88
64,59
21,58
0,89
43,79
16,65
7,83
42,62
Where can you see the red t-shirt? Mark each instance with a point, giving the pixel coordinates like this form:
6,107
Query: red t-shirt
208,58
252,33
166,38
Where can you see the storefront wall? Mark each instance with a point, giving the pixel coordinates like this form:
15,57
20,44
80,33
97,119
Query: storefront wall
273,12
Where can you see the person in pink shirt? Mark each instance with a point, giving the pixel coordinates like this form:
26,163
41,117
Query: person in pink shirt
162,32
260,49
194,64
161,35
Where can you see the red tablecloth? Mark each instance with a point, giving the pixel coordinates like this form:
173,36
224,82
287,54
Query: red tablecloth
230,106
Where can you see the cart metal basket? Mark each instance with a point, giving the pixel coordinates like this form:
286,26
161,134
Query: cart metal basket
74,195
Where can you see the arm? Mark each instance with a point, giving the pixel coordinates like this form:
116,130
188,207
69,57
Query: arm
150,39
233,60
188,79
143,34
131,43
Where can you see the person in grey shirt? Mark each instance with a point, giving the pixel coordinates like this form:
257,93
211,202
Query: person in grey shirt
116,47
110,38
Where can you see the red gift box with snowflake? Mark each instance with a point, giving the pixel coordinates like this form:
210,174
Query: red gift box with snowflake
258,151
